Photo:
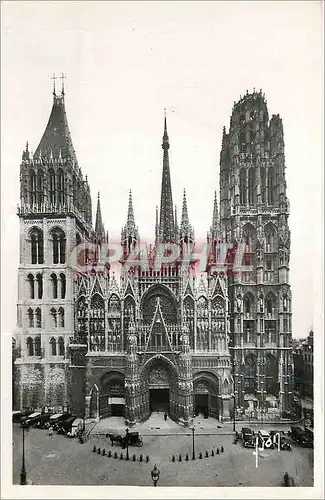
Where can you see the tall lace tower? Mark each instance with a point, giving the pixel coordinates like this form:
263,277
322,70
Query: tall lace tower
254,214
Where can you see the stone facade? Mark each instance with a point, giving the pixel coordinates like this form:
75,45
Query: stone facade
158,335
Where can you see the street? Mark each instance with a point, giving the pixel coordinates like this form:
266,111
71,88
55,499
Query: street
63,461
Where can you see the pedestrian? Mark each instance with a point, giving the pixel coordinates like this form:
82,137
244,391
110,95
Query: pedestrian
155,475
50,431
165,417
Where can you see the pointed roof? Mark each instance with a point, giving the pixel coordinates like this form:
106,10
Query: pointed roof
130,218
56,139
185,220
166,223
158,319
99,226
176,222
215,217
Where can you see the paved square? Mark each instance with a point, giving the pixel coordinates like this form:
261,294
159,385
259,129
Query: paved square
63,461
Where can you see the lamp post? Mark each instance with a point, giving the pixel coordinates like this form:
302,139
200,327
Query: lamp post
234,420
193,450
127,444
23,474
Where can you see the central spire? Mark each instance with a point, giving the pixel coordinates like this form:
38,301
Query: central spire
99,226
166,221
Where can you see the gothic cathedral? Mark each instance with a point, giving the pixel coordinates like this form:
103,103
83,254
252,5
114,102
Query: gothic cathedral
157,335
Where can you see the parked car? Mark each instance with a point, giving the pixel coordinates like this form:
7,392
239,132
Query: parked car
284,443
264,438
31,419
300,436
43,420
17,416
64,426
54,419
247,437
76,428
58,423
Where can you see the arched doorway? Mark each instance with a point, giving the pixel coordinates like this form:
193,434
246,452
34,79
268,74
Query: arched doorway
112,395
159,388
159,383
206,390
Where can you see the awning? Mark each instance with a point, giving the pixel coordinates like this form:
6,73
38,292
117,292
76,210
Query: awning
116,401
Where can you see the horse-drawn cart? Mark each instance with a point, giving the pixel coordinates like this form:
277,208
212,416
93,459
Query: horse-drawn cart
130,439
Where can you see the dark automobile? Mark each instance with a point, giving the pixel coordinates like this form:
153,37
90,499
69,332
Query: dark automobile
247,437
60,420
54,419
65,426
284,444
300,436
43,419
17,416
31,420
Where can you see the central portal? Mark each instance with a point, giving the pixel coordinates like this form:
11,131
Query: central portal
159,400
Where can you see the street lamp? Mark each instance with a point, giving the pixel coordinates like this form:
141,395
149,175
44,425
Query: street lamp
193,450
23,474
234,420
127,444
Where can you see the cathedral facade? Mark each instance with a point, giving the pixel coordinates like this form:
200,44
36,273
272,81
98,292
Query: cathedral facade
155,334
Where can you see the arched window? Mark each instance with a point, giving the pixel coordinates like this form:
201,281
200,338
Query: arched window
263,184
54,280
30,314
59,246
271,374
97,324
63,285
38,317
61,346
82,319
53,346
37,252
242,142
61,317
30,346
39,279
242,186
74,191
32,188
251,186
250,374
60,187
270,239
40,187
270,303
37,345
54,318
248,304
270,186
52,186
30,279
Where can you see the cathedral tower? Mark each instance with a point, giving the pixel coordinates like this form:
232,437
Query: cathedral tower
254,219
55,215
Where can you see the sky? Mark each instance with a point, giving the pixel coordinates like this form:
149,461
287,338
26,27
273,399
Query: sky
126,62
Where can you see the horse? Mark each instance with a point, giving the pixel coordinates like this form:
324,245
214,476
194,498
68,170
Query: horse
117,438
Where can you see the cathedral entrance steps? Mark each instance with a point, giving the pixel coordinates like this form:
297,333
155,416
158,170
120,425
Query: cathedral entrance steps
156,425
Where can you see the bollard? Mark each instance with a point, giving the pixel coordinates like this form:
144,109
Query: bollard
206,454
121,456
94,449
109,453
141,458
115,454
200,455
173,458
221,449
98,451
212,453
104,451
217,451
147,458
180,458
186,457
134,458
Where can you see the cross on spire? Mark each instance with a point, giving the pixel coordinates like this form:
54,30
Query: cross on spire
62,77
54,78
